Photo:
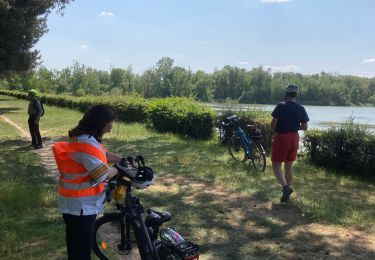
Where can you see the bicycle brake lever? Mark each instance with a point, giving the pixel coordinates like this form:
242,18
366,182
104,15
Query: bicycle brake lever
140,160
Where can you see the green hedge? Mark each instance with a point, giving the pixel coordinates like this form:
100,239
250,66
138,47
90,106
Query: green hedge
129,108
181,115
349,148
177,115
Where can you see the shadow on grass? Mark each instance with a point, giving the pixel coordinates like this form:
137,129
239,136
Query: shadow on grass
224,223
336,199
238,227
5,110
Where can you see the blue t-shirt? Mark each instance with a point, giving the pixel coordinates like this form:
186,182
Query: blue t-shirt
289,116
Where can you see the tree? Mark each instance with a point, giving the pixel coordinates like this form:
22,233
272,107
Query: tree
202,86
77,78
42,79
164,72
118,79
22,23
261,82
63,81
181,82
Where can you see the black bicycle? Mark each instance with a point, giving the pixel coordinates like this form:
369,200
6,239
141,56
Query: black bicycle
244,145
118,233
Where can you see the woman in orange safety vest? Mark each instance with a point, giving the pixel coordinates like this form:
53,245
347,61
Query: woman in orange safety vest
83,165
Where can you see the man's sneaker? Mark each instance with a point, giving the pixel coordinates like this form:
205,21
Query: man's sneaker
286,193
38,146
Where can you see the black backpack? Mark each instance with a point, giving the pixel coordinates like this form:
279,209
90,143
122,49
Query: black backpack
41,104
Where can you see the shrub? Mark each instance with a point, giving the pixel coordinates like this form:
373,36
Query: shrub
181,115
350,148
178,115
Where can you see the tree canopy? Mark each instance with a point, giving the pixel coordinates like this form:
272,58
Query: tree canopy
22,23
258,85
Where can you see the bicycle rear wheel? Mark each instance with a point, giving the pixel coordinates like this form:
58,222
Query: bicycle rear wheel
235,148
258,157
110,238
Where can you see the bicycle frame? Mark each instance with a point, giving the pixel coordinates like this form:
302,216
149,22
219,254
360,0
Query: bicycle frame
246,142
132,210
129,215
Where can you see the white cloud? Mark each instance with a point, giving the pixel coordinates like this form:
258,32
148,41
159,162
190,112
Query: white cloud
286,68
108,60
179,56
84,46
369,60
201,43
243,63
275,1
106,14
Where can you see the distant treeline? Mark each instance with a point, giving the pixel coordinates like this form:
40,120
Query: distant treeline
258,85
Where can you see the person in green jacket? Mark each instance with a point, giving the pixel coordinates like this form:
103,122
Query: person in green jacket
34,111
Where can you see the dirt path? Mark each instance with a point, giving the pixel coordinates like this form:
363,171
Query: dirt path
24,134
249,223
45,153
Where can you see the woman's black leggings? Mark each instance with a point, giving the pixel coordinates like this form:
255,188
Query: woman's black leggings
79,236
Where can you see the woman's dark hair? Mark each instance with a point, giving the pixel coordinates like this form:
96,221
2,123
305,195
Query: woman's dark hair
94,121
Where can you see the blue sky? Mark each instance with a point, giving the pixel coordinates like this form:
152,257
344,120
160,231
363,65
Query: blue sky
305,36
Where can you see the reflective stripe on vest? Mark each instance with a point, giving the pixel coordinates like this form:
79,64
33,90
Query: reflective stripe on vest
79,186
75,186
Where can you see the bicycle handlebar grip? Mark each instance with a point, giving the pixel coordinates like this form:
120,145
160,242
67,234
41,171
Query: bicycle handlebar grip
123,162
130,160
108,195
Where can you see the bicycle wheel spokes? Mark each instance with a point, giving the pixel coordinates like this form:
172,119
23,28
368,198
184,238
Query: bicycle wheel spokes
108,244
236,149
258,157
108,238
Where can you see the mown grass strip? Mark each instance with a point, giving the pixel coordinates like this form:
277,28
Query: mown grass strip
31,227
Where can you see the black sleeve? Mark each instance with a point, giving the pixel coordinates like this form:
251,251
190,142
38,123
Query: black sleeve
276,112
305,117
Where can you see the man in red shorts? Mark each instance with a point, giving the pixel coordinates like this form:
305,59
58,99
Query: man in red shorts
287,118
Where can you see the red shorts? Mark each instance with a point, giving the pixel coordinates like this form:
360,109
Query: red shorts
284,147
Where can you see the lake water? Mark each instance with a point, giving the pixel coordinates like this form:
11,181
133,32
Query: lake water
320,116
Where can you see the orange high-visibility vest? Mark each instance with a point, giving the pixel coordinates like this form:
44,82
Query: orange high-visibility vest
78,185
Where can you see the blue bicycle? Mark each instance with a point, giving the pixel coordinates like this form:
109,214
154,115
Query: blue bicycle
245,145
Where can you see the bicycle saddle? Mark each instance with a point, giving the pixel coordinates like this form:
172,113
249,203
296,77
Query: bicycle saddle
156,218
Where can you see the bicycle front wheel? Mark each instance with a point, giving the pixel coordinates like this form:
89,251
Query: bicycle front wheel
236,149
110,240
258,157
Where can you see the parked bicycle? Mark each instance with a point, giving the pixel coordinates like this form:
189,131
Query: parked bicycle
118,233
224,130
244,144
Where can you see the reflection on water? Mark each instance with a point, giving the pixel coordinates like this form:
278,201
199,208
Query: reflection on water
320,116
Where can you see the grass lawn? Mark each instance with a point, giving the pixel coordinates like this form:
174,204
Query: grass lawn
31,227
218,203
